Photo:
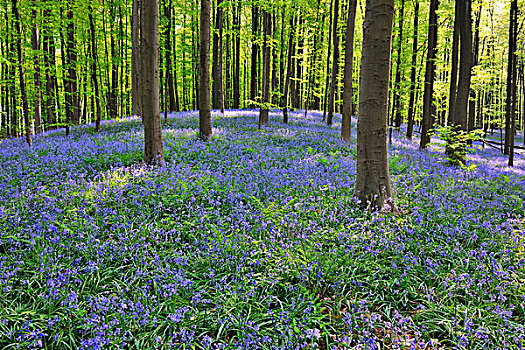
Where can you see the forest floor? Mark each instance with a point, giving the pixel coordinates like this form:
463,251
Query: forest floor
253,241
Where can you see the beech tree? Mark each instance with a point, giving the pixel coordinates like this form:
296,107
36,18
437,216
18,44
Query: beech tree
430,74
205,128
346,129
267,28
149,54
373,184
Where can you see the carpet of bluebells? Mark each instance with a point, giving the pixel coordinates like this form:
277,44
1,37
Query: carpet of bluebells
254,241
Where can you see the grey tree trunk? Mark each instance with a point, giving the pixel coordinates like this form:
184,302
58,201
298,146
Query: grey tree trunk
38,90
335,66
413,81
267,27
135,59
373,184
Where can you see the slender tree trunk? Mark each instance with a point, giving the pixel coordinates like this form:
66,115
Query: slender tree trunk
135,59
454,69
217,59
149,54
170,90
289,69
346,129
94,59
25,106
72,67
512,81
413,81
327,82
430,75
237,43
255,53
335,65
397,92
204,70
373,184
267,28
36,62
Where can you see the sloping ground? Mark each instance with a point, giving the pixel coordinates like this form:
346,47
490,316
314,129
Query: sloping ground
253,241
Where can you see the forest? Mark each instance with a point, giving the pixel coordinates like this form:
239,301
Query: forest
247,174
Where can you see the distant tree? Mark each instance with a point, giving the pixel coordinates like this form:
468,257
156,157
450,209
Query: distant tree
413,76
135,59
217,95
94,59
512,82
204,71
149,54
373,184
35,42
346,129
289,68
25,106
267,29
335,65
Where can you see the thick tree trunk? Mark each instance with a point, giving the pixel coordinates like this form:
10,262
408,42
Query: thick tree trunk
346,129
373,184
149,54
413,81
94,58
36,61
430,74
465,65
204,70
335,66
135,60
267,24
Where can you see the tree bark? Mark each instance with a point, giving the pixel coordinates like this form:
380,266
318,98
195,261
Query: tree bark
264,110
346,129
135,59
71,63
289,69
149,54
512,81
335,65
373,184
94,59
217,102
413,81
237,45
454,68
204,70
430,75
255,54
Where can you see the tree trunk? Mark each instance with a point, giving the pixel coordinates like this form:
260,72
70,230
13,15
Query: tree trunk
373,184
413,81
237,43
204,70
267,24
170,90
397,92
430,74
513,63
289,69
36,62
335,65
217,102
255,54
94,58
135,59
454,69
346,129
71,63
325,108
149,54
